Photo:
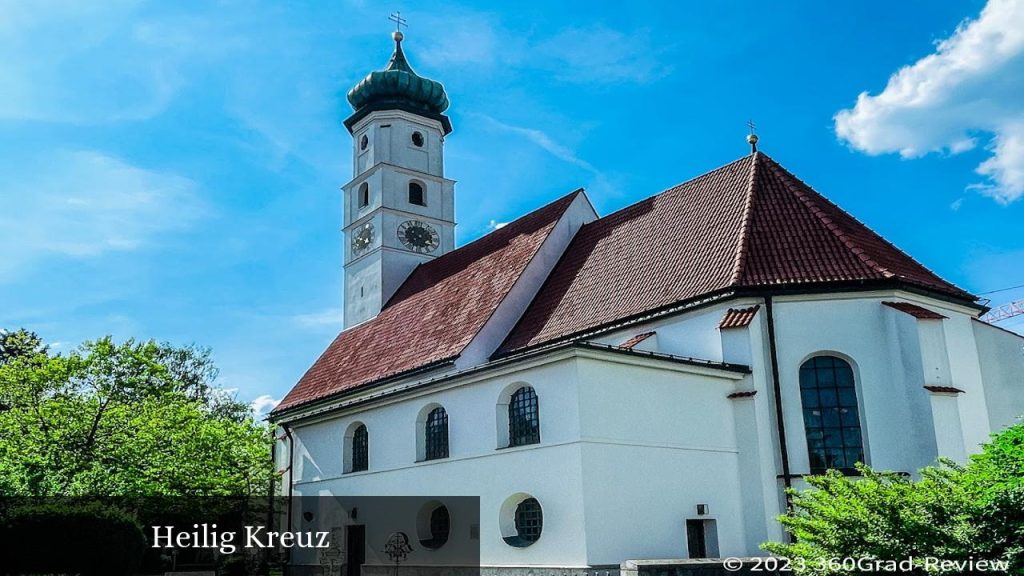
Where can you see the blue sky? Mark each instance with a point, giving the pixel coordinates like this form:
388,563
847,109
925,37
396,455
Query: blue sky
172,170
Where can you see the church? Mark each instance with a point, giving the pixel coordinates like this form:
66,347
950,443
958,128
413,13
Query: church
644,384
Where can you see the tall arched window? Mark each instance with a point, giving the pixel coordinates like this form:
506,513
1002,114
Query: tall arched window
416,194
435,432
360,449
831,414
364,194
523,418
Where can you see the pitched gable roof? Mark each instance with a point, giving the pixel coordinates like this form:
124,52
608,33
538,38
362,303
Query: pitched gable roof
749,224
434,315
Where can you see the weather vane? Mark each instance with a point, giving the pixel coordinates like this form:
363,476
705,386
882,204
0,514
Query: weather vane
396,17
752,137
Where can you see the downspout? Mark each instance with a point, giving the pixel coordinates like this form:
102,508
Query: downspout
777,389
291,479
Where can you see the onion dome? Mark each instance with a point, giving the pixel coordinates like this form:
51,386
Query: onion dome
398,87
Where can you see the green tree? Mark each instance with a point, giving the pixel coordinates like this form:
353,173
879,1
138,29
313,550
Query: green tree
951,512
19,344
128,419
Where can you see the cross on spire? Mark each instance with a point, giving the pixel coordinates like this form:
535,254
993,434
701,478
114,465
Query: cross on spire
752,137
396,17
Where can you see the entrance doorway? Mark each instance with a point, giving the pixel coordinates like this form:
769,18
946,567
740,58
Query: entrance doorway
355,546
702,538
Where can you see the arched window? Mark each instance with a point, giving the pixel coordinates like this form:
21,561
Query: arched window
360,449
416,194
523,418
831,414
364,195
435,432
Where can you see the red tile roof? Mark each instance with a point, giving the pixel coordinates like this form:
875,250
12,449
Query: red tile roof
634,340
738,317
747,225
434,315
915,310
944,389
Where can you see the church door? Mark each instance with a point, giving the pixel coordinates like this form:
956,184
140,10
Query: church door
355,544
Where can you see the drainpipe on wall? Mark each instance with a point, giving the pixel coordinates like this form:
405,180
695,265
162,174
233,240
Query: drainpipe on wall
777,388
291,481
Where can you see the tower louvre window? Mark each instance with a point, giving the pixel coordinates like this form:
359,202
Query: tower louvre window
523,418
436,434
831,414
364,195
416,194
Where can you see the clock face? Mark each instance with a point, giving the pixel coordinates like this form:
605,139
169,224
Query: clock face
418,236
363,238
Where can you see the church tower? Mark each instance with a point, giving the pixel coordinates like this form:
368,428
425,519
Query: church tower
399,207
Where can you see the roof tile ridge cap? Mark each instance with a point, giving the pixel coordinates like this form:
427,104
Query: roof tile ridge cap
830,224
742,245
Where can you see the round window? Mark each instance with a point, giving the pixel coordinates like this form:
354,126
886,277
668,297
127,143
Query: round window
417,139
433,525
364,142
522,520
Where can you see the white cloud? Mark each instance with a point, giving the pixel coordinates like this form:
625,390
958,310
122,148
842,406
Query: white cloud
495,225
602,55
83,204
330,317
594,54
262,405
543,140
99,62
971,87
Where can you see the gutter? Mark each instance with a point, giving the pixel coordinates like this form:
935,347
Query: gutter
322,405
787,477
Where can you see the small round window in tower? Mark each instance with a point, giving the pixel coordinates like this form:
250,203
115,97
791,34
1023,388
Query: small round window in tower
417,139
364,142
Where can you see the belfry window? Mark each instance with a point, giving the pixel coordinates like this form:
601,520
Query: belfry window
436,434
416,194
831,414
360,449
523,418
364,195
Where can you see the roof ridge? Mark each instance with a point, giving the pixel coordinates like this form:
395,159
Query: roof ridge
831,225
741,248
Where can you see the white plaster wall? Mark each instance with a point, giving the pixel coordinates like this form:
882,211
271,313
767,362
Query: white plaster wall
1001,355
894,421
655,444
965,372
389,133
694,334
549,471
